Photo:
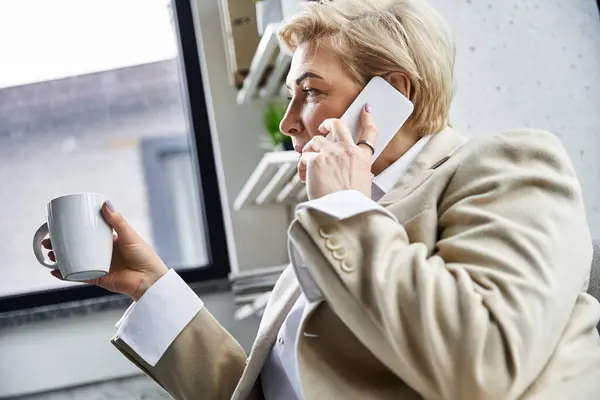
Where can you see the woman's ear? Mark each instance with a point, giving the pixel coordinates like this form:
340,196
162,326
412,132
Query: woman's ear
401,82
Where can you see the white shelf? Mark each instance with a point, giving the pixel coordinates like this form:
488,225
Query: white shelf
265,52
274,181
252,290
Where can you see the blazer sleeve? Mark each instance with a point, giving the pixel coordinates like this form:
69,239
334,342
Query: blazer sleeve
203,362
481,316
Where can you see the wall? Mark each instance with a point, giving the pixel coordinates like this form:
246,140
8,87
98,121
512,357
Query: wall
237,130
520,63
532,63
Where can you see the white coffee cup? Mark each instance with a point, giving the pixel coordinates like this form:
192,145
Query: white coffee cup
82,240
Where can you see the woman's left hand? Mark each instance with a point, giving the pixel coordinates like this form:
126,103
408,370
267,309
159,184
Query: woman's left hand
332,166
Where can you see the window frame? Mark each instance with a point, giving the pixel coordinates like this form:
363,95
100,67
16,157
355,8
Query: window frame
204,161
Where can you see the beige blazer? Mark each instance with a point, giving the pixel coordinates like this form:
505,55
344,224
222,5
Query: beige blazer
474,289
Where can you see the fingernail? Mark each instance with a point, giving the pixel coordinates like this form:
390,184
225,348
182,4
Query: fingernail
368,108
109,205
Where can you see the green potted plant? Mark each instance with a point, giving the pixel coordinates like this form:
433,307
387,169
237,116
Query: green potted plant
272,116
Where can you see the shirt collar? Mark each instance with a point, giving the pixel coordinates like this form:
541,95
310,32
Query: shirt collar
389,176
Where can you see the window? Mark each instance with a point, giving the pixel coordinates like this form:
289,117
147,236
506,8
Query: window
104,96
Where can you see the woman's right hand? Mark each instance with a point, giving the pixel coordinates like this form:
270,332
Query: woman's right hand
135,266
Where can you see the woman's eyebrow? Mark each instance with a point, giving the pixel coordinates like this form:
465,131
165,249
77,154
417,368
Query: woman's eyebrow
304,76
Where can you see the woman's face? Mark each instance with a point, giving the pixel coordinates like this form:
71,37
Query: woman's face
319,89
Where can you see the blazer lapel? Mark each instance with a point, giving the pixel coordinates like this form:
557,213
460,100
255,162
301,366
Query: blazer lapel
439,149
273,318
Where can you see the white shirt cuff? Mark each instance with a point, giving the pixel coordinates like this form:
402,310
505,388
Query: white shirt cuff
151,324
344,204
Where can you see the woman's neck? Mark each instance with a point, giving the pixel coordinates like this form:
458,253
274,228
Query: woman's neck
400,144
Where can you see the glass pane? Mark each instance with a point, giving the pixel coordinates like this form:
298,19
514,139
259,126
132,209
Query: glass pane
82,84
184,197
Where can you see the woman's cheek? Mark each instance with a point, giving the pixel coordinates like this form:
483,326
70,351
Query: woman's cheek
312,116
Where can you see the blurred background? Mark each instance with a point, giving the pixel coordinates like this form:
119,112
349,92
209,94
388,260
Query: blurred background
171,107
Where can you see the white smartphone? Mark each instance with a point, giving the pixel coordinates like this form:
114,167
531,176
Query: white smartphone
389,108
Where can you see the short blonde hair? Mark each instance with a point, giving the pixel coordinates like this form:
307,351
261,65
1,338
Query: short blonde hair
375,37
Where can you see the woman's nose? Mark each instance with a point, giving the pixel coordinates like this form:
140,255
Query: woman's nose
290,125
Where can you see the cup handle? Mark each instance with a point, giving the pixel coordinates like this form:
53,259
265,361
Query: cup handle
41,233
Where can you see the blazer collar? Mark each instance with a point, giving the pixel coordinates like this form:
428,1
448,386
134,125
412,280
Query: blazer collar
436,152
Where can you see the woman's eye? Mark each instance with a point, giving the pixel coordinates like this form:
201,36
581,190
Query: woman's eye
310,92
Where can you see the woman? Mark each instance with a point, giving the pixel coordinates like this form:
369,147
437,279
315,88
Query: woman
465,279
